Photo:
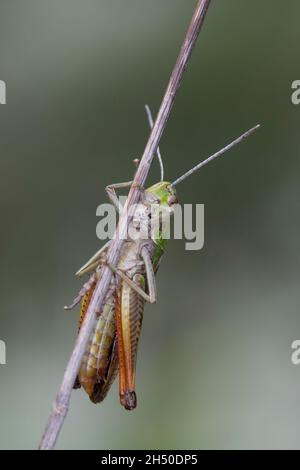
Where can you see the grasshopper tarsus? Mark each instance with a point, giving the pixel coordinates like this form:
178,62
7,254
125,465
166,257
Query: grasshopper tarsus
129,400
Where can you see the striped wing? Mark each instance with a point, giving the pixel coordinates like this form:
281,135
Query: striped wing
99,365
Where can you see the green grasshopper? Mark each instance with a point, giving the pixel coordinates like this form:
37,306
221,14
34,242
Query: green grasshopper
113,343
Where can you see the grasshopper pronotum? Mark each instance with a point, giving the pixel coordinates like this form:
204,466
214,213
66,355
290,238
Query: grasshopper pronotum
113,343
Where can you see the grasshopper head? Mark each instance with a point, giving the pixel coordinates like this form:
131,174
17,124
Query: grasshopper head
162,193
163,200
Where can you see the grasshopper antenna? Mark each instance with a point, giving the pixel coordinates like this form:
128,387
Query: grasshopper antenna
150,119
216,155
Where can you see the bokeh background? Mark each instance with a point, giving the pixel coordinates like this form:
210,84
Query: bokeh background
214,368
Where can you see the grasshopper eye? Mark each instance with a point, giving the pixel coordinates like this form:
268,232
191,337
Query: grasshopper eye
172,200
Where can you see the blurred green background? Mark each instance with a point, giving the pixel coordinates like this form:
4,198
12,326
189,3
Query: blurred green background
214,367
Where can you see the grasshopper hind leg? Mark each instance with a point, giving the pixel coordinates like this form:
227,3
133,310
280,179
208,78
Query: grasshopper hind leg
129,316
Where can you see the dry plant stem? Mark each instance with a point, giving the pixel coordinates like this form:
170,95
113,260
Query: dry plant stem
61,404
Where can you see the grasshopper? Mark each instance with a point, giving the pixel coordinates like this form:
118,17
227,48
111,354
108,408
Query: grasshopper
114,341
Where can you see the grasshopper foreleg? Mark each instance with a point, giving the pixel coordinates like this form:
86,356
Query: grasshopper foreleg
112,195
93,262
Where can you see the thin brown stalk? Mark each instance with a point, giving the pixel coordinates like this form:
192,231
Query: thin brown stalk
61,404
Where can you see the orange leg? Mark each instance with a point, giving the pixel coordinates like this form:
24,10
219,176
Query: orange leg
128,333
120,352
126,373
